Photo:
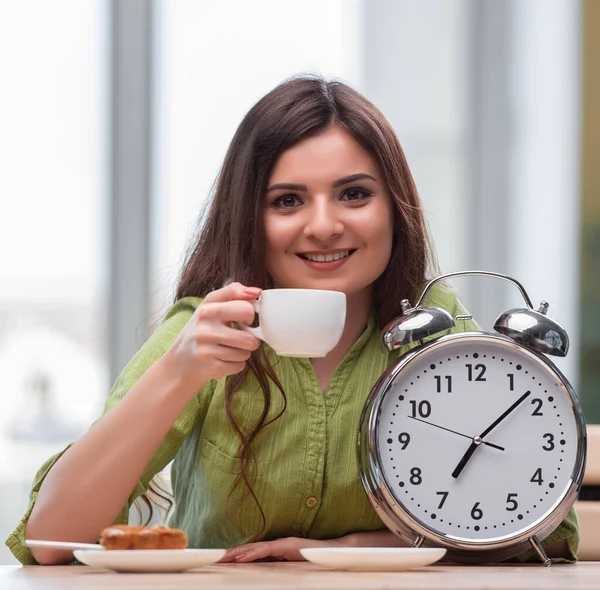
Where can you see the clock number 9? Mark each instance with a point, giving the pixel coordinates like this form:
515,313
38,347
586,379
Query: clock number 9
404,439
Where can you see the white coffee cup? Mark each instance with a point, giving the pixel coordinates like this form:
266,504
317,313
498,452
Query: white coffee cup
299,322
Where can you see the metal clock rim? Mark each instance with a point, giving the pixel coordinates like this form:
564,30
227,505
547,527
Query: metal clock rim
410,529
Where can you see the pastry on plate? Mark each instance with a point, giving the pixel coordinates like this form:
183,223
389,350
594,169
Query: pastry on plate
120,536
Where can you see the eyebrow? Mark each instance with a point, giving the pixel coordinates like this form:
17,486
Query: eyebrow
335,184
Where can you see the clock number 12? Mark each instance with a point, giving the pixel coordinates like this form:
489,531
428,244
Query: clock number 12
478,377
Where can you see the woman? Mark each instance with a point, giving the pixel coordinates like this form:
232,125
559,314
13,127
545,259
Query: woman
263,447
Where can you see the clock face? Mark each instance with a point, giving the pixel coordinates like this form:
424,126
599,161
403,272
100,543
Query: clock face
477,439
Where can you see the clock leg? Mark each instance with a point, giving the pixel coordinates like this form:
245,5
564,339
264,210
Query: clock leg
418,541
535,543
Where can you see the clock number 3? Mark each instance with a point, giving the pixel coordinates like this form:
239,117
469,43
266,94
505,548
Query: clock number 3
550,443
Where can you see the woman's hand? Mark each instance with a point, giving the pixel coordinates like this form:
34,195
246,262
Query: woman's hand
288,548
285,549
208,347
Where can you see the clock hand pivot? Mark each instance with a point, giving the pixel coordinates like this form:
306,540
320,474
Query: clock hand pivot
473,447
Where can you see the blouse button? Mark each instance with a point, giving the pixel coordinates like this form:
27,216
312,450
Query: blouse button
311,501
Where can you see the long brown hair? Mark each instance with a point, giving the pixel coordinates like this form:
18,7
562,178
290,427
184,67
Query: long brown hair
230,244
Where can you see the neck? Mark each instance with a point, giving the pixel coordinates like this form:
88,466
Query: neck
358,308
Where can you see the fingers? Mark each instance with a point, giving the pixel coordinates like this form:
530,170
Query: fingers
217,369
229,354
284,549
218,335
251,552
232,292
208,347
235,552
226,312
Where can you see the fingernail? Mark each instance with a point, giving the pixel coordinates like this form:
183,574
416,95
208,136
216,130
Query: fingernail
254,291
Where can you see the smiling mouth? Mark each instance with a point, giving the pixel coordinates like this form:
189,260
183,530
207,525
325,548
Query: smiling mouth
313,257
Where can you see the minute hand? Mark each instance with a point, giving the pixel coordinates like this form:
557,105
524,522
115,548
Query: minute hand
473,447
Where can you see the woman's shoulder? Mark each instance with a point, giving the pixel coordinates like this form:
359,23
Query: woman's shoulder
173,321
441,295
183,308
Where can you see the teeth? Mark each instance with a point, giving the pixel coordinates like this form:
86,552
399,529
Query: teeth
327,257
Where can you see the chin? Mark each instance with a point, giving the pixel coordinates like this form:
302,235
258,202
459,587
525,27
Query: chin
332,285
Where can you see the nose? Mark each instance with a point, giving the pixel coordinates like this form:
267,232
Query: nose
323,220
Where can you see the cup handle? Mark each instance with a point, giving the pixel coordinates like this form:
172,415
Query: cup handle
256,331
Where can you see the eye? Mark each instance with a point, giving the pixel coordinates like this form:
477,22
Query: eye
286,202
356,194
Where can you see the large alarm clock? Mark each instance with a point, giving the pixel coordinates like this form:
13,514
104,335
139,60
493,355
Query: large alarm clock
473,441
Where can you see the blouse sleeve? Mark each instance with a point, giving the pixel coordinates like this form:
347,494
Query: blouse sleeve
567,531
150,352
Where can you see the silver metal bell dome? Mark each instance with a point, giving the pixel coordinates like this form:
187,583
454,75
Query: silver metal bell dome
415,324
534,329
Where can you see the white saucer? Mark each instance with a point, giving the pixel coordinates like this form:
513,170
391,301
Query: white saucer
159,560
373,559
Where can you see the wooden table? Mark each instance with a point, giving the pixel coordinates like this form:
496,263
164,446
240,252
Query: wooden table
306,576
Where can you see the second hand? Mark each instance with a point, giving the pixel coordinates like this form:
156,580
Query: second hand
459,433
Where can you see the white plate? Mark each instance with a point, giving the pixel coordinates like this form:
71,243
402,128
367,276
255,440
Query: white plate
152,560
373,559
62,545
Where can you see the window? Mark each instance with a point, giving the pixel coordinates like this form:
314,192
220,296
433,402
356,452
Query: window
213,66
53,112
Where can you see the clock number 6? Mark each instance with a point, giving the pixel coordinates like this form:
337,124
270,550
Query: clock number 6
476,512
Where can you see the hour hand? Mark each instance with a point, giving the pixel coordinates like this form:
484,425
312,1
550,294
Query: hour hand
465,458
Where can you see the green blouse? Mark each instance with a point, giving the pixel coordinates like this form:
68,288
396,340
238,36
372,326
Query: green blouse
307,479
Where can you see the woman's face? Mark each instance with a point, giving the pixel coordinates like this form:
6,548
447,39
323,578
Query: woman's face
328,216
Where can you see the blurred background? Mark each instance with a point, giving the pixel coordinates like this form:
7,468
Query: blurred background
115,117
